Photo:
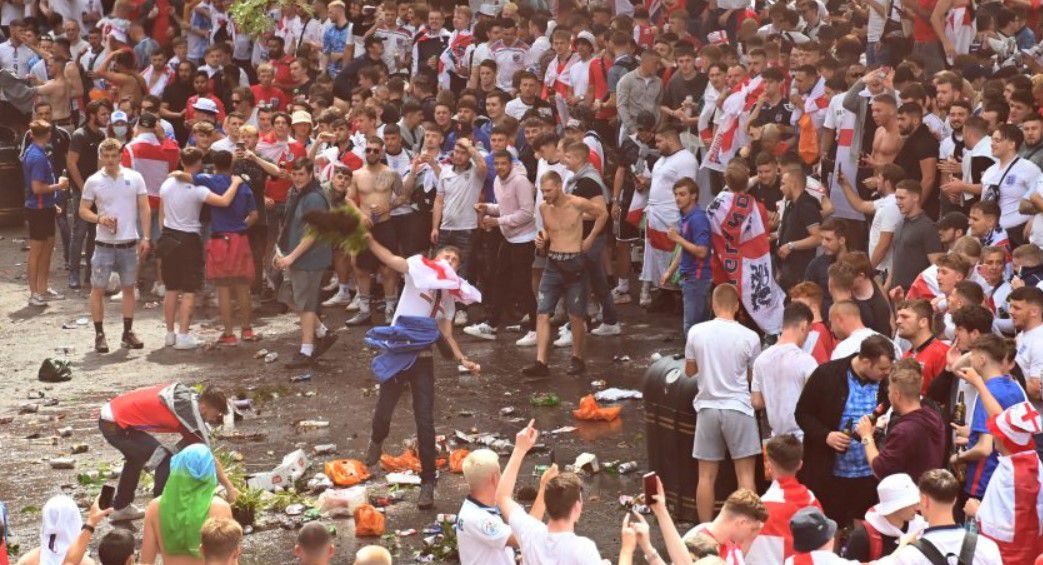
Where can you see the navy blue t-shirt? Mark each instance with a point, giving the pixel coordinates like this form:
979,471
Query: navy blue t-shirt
695,228
233,218
37,166
1007,392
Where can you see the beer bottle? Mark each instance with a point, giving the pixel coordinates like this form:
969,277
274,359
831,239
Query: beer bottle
959,411
849,428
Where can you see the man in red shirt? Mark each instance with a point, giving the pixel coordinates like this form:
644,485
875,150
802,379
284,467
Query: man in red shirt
278,147
783,458
265,93
280,61
128,421
913,319
926,45
820,342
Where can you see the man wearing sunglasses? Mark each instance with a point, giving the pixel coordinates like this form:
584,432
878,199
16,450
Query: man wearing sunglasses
370,192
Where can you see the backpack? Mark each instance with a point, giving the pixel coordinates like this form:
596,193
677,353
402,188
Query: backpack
931,552
54,371
876,541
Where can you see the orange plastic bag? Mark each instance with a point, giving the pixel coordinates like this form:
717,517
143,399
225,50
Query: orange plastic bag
807,145
456,460
346,472
589,410
405,462
368,521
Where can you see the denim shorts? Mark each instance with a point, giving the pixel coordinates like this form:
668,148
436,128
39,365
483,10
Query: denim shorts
566,278
108,260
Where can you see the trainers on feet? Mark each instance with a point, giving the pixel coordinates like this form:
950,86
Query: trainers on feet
159,289
565,339
37,300
576,367
481,331
228,339
333,284
324,343
537,369
52,294
300,361
363,318
187,341
373,453
101,345
646,298
170,339
338,299
74,281
355,303
131,341
528,340
620,297
248,334
127,514
460,319
607,329
426,499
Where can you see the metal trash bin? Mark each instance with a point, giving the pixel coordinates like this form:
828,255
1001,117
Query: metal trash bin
12,190
670,433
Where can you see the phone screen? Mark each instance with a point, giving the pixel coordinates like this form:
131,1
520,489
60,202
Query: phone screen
105,498
650,487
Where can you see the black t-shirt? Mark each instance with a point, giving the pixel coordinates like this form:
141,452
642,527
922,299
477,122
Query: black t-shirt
875,312
914,240
920,145
780,114
85,143
680,88
767,194
587,188
802,213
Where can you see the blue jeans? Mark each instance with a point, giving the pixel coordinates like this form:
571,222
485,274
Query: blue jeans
463,240
137,448
420,378
693,293
593,261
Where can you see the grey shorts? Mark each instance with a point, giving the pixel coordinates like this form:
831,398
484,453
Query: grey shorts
725,432
120,260
563,279
300,290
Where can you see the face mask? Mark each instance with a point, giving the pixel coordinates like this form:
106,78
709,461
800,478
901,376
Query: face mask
119,130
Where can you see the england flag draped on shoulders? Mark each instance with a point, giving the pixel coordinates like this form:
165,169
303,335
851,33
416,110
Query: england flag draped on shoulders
429,274
742,256
730,134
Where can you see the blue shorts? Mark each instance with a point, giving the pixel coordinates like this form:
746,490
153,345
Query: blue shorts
566,278
108,260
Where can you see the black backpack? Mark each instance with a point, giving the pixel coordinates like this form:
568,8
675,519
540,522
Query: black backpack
931,552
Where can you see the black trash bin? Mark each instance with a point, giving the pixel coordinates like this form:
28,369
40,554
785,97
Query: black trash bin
669,433
12,189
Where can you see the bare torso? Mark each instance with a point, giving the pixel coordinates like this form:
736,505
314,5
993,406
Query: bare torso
152,543
563,222
886,143
373,191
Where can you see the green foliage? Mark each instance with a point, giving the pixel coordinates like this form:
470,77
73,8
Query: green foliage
251,16
334,232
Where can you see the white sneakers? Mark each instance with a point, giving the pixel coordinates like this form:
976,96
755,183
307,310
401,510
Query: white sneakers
564,337
127,513
460,319
52,294
187,341
355,303
646,297
341,297
620,296
333,284
528,340
37,300
170,339
159,289
481,331
607,330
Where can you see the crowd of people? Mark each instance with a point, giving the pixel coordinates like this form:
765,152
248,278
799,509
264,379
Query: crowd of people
843,201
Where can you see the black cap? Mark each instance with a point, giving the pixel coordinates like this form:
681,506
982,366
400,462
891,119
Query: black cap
811,529
148,120
372,40
645,120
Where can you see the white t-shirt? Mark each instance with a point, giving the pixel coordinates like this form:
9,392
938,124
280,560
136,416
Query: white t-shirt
416,302
540,547
948,540
1036,236
724,351
481,535
886,220
182,203
116,198
579,77
779,374
516,108
1015,180
1030,355
853,343
459,191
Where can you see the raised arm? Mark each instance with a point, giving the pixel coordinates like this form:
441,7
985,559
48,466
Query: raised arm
523,442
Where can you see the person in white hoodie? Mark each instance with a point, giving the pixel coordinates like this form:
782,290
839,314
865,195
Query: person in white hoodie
885,523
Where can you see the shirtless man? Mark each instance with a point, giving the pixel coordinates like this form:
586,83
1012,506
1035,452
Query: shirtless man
370,193
565,275
887,139
123,75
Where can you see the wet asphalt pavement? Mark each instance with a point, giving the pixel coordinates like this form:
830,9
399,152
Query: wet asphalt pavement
341,391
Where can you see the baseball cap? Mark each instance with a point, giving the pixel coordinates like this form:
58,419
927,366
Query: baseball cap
1016,426
118,116
205,105
811,529
588,37
147,120
896,492
300,117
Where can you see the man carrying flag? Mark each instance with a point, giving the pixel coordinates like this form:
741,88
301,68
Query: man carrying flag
424,316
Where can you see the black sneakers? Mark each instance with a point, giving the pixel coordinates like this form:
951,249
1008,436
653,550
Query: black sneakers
131,341
576,367
373,453
324,343
537,369
100,344
426,500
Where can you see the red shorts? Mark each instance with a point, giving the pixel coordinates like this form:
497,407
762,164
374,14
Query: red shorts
228,259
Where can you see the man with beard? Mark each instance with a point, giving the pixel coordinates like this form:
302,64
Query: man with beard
372,188
1032,148
82,162
637,156
918,156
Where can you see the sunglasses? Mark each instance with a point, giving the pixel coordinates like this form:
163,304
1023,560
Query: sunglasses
372,150
237,101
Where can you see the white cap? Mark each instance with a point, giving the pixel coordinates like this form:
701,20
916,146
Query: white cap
300,117
489,10
588,37
205,105
118,116
896,492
